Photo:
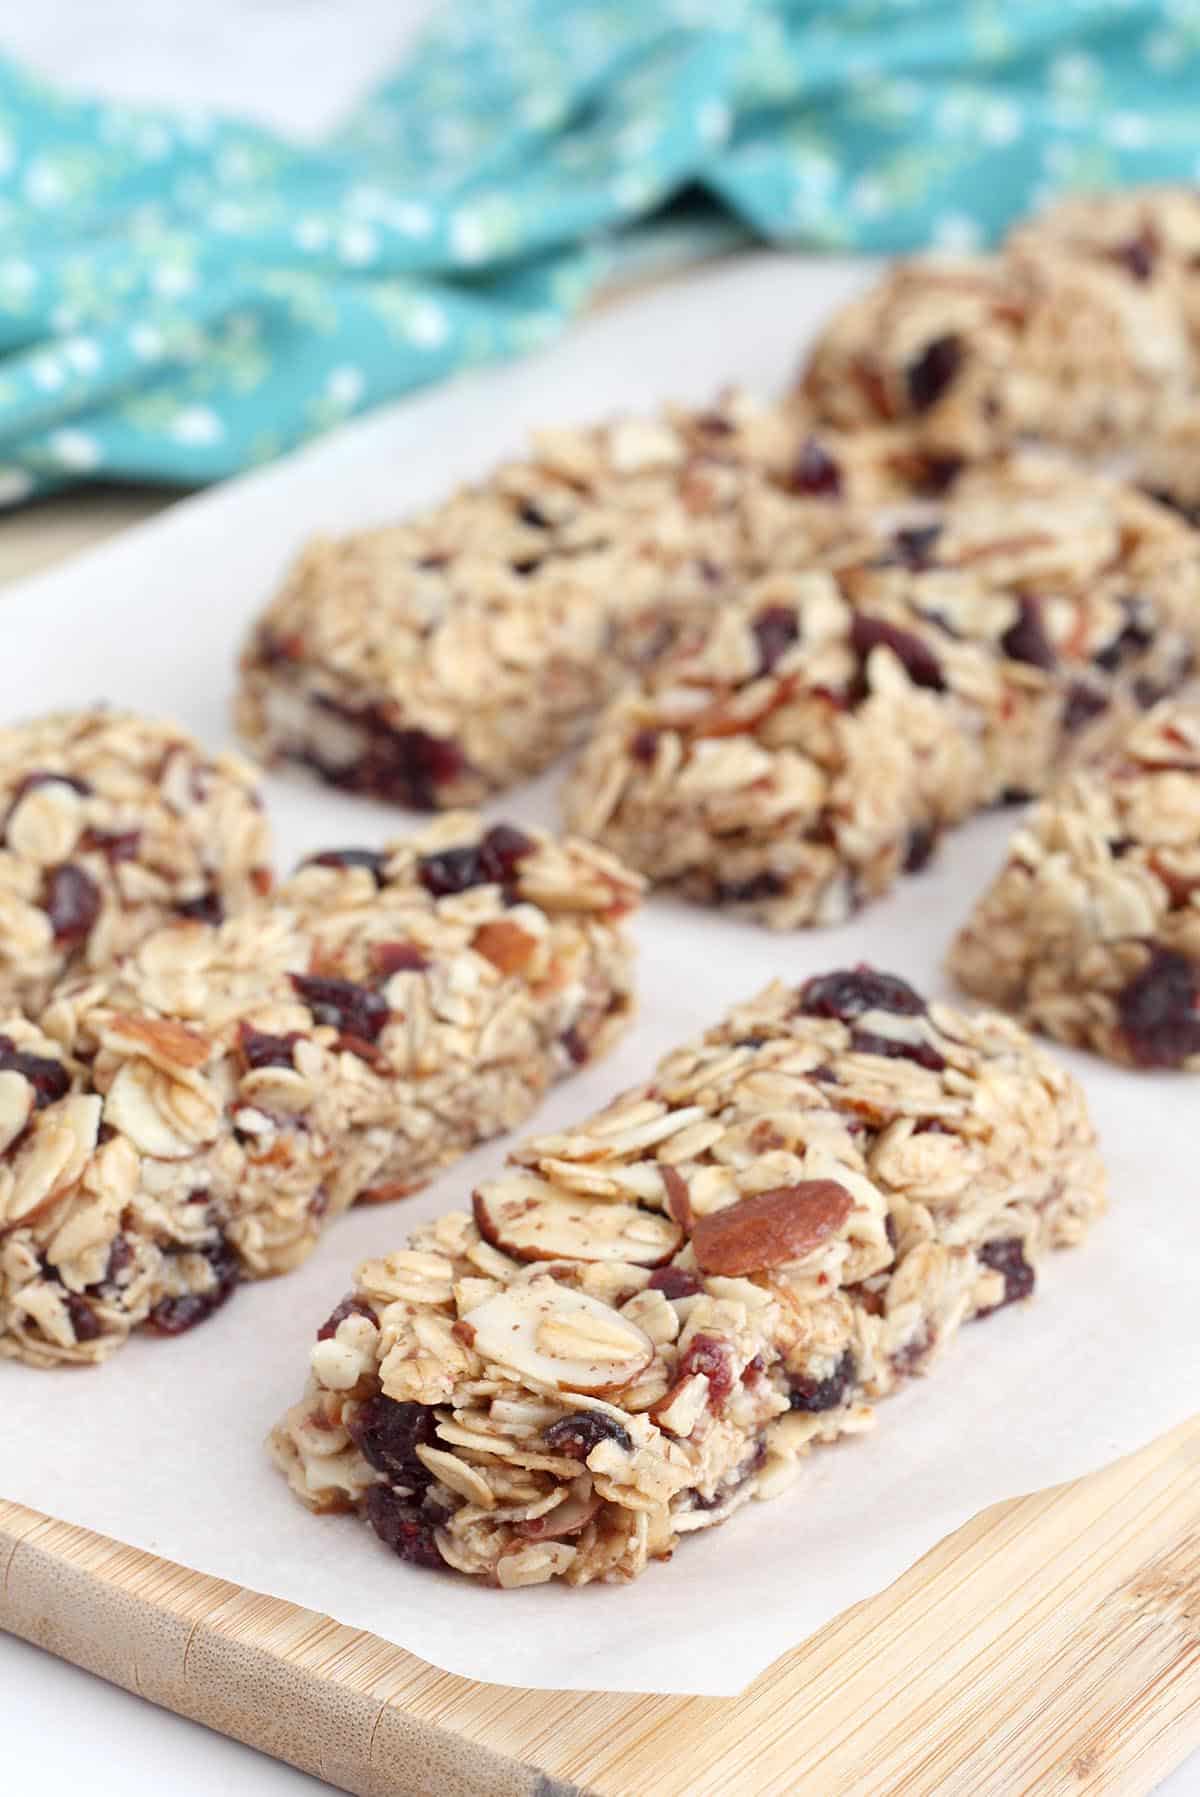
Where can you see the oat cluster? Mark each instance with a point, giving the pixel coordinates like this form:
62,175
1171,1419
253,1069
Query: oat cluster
648,1319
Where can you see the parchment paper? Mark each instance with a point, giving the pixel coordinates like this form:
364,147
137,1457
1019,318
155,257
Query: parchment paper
163,1447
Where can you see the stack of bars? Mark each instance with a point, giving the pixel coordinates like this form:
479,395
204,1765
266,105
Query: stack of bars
795,642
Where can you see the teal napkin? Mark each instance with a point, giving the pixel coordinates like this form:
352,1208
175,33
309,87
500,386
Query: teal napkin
183,296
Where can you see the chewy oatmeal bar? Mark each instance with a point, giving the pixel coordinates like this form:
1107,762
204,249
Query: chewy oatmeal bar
198,1115
649,1319
1083,331
794,752
434,661
111,825
1091,931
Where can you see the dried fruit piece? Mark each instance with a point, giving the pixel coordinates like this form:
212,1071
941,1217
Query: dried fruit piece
71,900
1159,1010
815,473
931,373
532,1225
356,1011
494,860
387,1434
826,1393
176,1315
371,859
1007,1256
350,1306
770,1229
402,1527
851,991
868,633
776,630
577,1434
505,944
260,1049
709,1355
49,1078
1026,639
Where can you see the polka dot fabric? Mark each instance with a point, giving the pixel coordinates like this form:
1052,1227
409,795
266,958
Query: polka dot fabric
182,297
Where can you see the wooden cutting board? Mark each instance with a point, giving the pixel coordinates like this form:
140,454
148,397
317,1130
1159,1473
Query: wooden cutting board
1051,1646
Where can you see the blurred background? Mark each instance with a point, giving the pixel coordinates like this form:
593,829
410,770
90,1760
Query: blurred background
228,227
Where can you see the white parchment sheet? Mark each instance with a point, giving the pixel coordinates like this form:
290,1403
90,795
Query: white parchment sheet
163,1447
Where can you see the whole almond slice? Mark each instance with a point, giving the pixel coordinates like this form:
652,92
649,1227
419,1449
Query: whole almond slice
771,1228
537,1226
560,1338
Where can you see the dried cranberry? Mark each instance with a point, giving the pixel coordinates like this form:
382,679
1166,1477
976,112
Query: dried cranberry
815,472
120,1259
575,1045
48,1077
709,1355
1026,639
576,1435
764,885
258,1049
1139,254
388,1434
827,1393
492,861
528,564
938,473
408,767
933,371
1083,703
84,1320
207,908
402,1527
350,1306
644,747
351,1009
914,545
919,849
775,631
174,1316
1137,633
1159,1010
114,845
851,991
71,900
398,957
915,656
533,515
675,1282
1007,1256
371,859
923,1053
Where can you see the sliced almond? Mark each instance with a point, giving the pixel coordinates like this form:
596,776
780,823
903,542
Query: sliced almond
561,1338
538,1225
16,1106
160,1039
568,1518
505,944
771,1228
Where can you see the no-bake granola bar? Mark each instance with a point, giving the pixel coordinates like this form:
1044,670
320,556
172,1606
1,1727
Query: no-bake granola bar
1091,931
647,1320
797,749
1084,331
110,826
437,660
198,1115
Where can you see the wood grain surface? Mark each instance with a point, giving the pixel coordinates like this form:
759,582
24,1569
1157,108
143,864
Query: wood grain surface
1051,1646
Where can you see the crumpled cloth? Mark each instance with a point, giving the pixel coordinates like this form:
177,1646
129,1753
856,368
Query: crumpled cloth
184,296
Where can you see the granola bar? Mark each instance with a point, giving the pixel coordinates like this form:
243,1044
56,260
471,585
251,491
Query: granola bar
110,826
198,1115
649,1319
1091,931
1083,331
796,751
434,661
